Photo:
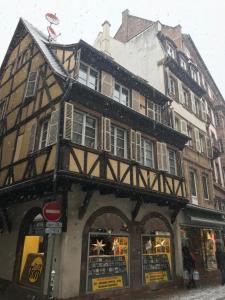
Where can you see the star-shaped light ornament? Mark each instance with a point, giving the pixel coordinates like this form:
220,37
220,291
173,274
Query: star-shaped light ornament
115,245
161,244
99,246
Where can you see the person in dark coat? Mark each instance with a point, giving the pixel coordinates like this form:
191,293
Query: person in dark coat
220,259
189,265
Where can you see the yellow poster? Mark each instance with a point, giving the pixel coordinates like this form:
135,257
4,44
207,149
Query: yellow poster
107,283
155,276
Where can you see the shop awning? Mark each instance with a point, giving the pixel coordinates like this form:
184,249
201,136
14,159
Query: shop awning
204,221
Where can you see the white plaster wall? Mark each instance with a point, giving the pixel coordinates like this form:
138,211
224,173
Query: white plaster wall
71,247
8,241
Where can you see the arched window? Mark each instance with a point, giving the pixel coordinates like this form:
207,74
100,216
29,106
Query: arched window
108,253
156,250
32,245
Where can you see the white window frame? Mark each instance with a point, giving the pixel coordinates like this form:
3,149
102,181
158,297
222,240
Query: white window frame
174,159
143,150
170,50
89,68
193,197
115,140
156,111
83,135
41,135
120,92
207,185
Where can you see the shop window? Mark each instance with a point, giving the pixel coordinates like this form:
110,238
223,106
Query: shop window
32,259
108,254
88,76
156,252
208,237
84,130
121,94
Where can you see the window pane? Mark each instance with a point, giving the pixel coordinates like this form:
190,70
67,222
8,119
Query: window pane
172,161
83,74
117,92
193,183
93,79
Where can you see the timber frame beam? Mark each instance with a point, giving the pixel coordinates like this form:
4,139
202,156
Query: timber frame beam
85,204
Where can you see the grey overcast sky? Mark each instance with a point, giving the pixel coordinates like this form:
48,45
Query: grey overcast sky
202,19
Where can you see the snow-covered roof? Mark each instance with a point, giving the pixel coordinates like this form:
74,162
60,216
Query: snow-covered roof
42,42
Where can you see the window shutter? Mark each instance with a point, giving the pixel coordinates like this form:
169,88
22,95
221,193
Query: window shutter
209,147
183,126
107,134
53,128
32,138
159,155
31,84
132,144
135,100
107,84
138,146
197,140
165,160
77,64
68,121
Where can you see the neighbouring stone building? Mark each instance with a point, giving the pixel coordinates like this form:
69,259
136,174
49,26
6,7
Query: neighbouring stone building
169,60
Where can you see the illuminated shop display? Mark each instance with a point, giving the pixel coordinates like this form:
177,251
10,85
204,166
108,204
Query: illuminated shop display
156,257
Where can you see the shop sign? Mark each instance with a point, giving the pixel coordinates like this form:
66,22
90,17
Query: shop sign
155,276
107,283
33,270
52,211
53,230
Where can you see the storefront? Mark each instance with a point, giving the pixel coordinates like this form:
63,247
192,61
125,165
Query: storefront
201,233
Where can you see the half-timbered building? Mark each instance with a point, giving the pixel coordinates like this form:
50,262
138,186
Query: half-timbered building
78,128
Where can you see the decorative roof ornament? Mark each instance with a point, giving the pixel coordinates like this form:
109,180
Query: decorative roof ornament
52,19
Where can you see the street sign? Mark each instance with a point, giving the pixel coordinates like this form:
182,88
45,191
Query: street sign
53,224
52,211
53,230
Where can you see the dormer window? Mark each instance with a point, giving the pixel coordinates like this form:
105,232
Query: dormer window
88,76
183,64
171,50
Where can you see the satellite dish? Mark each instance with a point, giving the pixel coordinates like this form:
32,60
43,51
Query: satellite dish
53,36
51,18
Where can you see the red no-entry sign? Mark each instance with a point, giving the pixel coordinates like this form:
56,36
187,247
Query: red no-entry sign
52,211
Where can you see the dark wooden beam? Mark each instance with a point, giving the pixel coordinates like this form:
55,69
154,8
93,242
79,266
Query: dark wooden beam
174,214
137,208
85,203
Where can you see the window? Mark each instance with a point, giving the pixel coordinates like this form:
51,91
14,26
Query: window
121,94
171,50
177,124
221,148
193,187
194,74
44,134
172,162
84,130
218,173
118,141
217,119
190,134
202,143
88,76
183,64
173,88
198,107
31,84
205,186
153,110
187,98
147,153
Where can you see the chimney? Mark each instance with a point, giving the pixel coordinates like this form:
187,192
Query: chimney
125,15
106,37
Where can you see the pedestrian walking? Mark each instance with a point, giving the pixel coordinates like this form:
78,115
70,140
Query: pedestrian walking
189,265
220,259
